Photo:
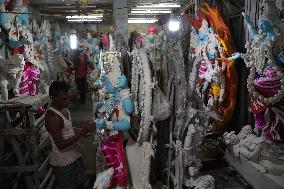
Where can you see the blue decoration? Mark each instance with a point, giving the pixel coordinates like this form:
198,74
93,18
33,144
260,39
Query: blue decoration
56,36
13,43
96,49
3,18
23,18
43,42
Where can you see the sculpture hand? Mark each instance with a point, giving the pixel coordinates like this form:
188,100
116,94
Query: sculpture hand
101,124
97,84
99,104
246,18
109,86
128,105
235,56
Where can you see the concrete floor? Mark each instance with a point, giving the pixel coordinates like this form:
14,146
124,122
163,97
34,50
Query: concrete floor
79,114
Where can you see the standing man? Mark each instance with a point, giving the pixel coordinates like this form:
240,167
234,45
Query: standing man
80,65
65,156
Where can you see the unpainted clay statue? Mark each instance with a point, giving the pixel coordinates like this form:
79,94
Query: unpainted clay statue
10,75
255,149
103,179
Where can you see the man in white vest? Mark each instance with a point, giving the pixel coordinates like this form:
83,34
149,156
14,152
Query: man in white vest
65,156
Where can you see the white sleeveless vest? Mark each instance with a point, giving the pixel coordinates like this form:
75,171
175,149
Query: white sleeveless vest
69,154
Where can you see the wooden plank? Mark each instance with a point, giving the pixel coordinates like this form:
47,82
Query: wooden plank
51,183
43,144
254,176
19,154
46,178
18,131
33,101
44,164
19,169
39,121
15,106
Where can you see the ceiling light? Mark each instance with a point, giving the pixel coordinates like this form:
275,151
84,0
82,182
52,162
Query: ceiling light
163,5
73,41
151,12
141,21
152,9
174,23
85,20
84,16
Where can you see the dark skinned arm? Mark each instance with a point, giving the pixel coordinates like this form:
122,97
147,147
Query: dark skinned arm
54,126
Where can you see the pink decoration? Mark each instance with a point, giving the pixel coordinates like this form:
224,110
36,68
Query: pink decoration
152,29
269,126
138,40
29,80
114,154
267,84
105,40
26,2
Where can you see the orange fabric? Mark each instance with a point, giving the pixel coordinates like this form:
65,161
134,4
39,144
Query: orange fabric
16,51
231,87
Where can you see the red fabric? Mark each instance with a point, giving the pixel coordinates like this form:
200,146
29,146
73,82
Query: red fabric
114,153
81,71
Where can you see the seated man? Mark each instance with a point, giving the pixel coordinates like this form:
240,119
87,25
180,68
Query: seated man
65,155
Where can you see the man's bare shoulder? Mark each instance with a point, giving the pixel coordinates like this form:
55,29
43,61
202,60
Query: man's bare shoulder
52,119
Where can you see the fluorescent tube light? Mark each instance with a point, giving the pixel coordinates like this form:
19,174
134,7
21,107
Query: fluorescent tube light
151,12
84,20
161,5
140,21
152,9
84,16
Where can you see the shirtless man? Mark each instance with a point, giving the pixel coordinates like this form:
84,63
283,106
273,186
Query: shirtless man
65,155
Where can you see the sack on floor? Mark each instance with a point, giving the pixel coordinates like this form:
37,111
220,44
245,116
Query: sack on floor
161,106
